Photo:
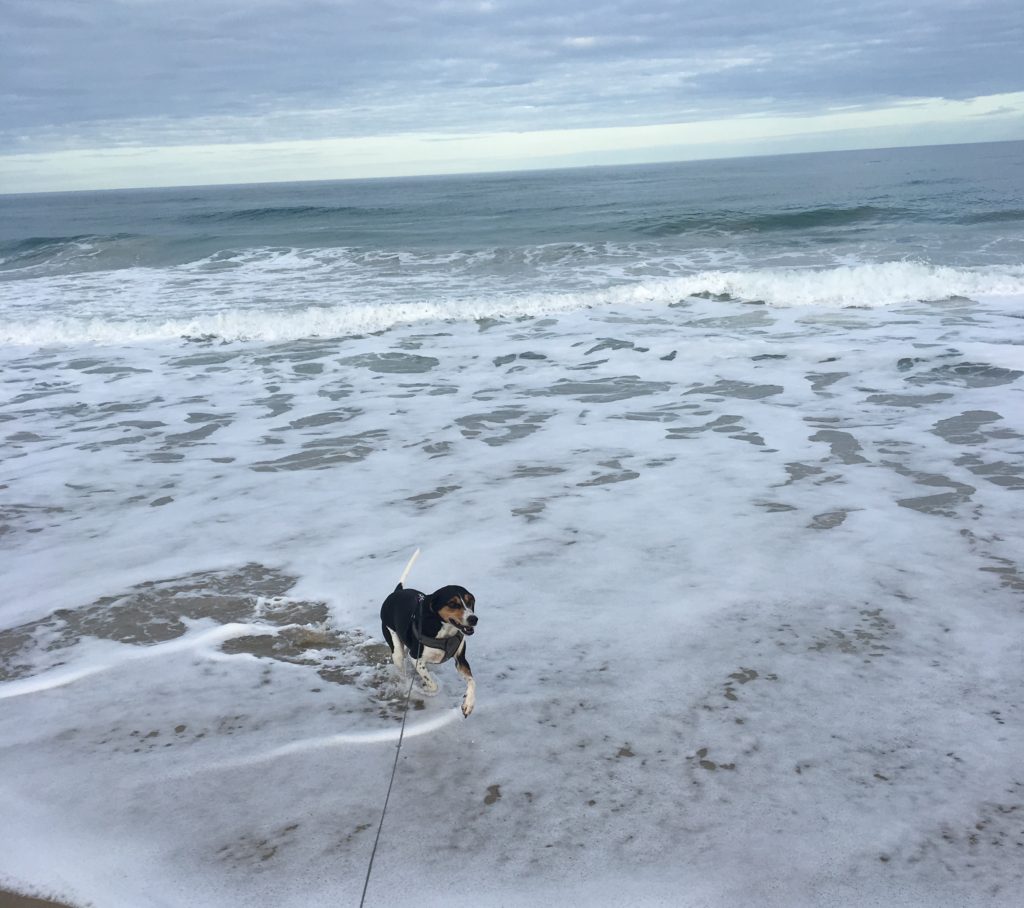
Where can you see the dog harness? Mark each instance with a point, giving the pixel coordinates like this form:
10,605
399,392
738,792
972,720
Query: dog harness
450,645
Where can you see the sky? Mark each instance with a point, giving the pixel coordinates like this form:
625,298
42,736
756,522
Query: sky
118,93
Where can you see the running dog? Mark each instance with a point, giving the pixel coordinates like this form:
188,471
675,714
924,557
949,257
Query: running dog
431,629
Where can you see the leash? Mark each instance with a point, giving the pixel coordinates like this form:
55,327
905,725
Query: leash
394,769
398,749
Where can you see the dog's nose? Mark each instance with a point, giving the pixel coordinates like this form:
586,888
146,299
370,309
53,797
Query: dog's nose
472,620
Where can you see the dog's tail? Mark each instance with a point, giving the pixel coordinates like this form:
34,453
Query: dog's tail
408,568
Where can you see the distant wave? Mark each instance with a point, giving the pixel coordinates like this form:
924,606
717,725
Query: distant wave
993,217
283,213
32,243
34,251
865,285
804,219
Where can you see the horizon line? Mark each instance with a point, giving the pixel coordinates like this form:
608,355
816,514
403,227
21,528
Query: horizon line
912,122
540,168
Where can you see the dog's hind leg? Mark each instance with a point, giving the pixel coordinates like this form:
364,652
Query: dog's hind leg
398,650
429,684
469,701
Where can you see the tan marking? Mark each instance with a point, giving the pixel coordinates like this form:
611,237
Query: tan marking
452,613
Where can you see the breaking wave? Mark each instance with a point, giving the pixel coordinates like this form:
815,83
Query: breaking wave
862,285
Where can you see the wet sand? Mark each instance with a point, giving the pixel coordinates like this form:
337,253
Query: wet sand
14,900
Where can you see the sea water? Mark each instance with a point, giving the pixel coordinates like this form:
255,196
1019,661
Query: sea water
730,454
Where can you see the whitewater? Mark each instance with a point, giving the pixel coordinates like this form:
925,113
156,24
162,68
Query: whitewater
730,454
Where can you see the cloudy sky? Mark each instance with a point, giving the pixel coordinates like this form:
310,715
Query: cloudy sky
99,93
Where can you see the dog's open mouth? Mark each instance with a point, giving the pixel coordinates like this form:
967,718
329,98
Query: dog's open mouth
463,628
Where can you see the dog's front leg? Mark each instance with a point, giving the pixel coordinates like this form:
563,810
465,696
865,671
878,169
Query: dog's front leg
469,701
429,684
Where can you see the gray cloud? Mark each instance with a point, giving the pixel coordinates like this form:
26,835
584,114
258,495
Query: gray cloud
113,72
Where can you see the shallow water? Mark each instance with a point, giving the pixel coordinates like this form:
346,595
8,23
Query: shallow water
747,578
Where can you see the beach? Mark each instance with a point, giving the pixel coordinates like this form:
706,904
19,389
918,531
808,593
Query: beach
16,900
738,498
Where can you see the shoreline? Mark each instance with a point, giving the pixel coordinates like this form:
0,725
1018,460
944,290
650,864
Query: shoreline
11,899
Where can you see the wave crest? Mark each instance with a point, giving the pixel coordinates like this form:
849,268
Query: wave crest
863,285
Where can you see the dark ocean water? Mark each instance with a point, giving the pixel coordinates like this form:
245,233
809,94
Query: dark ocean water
550,240
825,201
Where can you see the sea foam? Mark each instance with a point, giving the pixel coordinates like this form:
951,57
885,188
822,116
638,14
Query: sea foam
547,464
291,317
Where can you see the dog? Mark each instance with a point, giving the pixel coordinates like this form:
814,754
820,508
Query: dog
431,629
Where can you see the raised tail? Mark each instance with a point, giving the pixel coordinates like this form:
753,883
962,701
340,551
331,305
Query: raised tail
408,568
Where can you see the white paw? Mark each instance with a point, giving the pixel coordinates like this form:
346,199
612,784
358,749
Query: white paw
467,705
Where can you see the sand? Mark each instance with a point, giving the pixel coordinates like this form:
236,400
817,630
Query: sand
16,900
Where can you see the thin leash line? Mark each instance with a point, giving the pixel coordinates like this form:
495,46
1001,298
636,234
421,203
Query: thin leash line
387,797
398,750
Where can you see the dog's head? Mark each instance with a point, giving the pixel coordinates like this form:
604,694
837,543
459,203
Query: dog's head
454,605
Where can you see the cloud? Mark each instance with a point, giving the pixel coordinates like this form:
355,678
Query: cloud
154,73
908,122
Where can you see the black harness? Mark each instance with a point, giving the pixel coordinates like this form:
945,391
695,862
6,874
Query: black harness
448,645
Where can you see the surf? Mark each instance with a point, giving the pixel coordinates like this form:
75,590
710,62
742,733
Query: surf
865,285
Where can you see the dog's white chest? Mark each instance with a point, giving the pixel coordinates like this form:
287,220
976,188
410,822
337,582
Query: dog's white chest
431,655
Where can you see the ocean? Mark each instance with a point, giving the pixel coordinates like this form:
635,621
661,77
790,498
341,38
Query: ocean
729,452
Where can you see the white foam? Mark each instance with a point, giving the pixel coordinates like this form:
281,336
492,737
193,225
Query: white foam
870,285
650,502
284,313
117,655
379,736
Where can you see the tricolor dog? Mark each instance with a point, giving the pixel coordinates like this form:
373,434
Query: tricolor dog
431,629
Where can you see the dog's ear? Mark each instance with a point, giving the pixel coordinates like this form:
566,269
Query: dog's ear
446,594
439,598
